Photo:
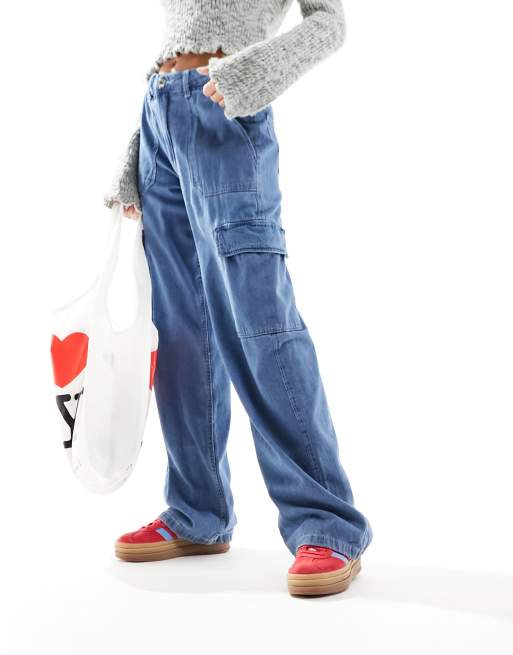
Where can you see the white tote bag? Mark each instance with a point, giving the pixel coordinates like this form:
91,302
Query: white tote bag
103,377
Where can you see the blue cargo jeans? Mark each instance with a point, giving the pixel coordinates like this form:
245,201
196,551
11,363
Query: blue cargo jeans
224,307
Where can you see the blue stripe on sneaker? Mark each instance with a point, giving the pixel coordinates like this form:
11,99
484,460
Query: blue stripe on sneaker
164,533
339,556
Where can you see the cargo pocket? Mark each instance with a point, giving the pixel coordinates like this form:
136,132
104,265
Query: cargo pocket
257,280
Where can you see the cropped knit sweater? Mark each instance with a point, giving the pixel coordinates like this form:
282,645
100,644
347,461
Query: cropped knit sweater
259,64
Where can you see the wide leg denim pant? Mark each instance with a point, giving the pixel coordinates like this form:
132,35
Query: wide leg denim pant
224,307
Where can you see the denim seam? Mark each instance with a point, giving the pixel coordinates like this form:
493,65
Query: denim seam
191,152
272,133
256,160
295,410
278,329
256,247
150,178
258,199
252,220
268,120
223,190
162,120
206,346
249,142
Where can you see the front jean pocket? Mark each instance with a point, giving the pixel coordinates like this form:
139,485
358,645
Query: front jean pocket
257,280
222,156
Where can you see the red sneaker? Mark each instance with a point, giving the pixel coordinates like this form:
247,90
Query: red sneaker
156,541
318,571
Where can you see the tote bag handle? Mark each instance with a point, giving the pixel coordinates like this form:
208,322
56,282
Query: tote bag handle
139,268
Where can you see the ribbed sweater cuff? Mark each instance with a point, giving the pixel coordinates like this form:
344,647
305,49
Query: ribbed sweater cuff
125,188
243,80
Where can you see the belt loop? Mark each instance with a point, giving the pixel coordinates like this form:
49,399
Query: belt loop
186,84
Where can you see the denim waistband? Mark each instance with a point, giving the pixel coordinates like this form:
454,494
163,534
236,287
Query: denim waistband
177,82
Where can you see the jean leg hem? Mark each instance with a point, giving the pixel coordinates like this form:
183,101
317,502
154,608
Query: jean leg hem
352,550
184,533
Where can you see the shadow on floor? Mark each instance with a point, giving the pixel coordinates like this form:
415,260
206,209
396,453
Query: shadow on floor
261,571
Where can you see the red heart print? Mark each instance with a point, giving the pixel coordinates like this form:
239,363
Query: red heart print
69,357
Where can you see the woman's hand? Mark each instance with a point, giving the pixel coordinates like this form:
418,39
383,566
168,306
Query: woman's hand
132,212
210,89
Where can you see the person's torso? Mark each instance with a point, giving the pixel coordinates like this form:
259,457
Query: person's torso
206,25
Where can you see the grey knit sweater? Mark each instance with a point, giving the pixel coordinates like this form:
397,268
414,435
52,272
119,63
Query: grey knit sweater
259,63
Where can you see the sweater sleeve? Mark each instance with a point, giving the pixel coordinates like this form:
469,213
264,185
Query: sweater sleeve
253,77
125,188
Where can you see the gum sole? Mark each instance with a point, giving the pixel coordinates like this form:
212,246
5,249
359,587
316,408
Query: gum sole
165,550
321,584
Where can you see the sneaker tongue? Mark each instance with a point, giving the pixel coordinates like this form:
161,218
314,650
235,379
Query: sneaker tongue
312,549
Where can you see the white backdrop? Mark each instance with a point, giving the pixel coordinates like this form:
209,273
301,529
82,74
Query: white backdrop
396,170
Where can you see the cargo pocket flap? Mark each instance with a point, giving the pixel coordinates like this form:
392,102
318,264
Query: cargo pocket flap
254,236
